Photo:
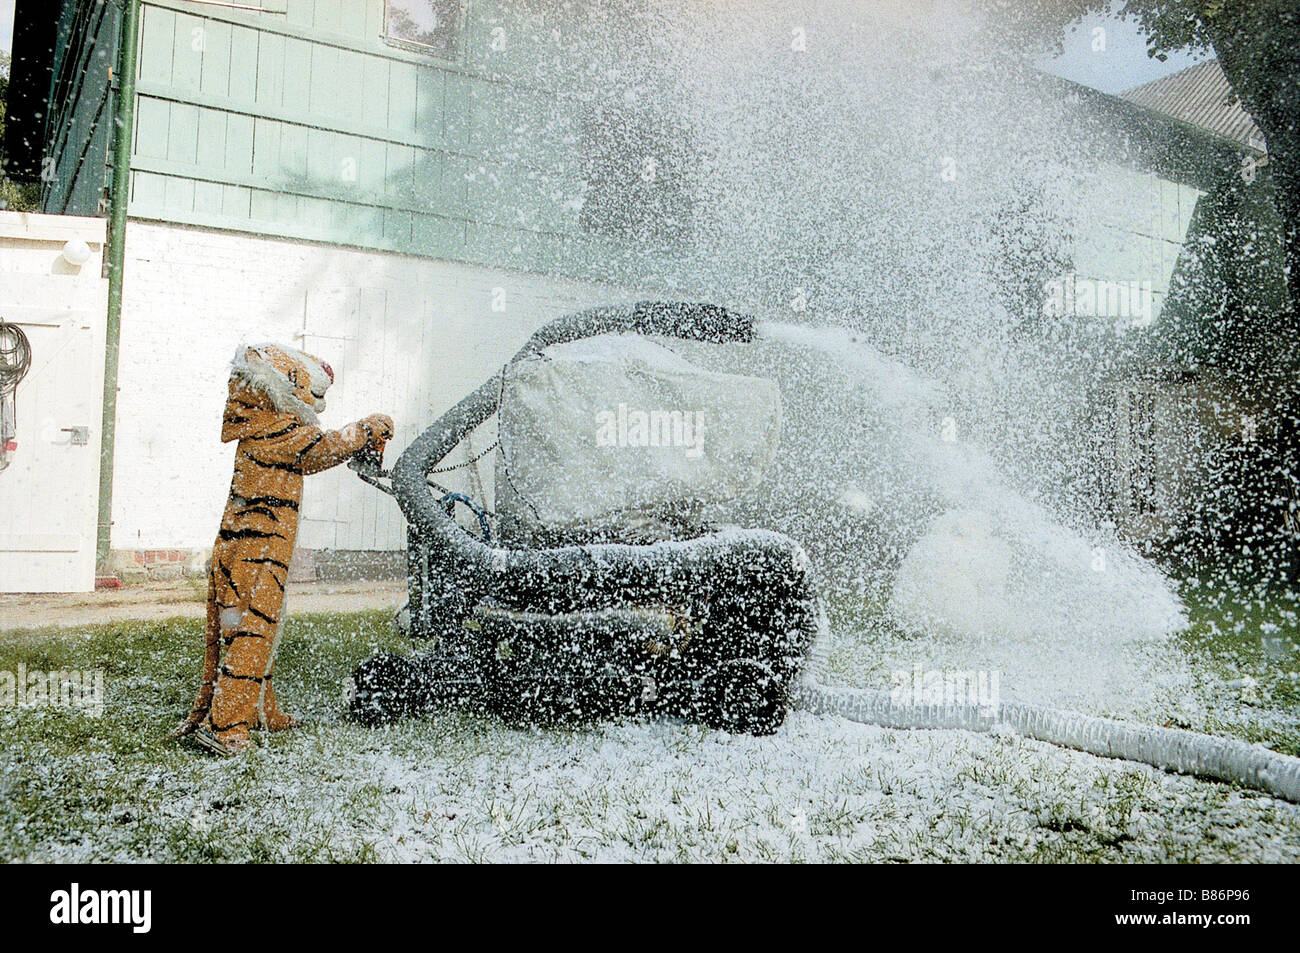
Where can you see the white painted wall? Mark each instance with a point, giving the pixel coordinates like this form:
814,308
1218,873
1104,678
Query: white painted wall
1130,227
406,336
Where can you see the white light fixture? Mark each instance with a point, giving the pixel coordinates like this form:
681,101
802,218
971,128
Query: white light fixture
76,252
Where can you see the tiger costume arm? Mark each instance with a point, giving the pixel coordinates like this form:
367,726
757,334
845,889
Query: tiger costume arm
311,449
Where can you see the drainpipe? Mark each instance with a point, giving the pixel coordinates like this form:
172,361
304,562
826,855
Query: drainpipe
124,126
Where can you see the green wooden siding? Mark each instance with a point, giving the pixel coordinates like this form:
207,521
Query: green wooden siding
310,125
78,127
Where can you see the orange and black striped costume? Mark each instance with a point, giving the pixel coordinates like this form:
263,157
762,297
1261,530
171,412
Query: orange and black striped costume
275,393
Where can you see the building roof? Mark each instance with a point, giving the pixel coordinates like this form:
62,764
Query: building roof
1155,141
1200,95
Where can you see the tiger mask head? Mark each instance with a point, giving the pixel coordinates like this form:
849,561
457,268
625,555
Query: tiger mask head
292,381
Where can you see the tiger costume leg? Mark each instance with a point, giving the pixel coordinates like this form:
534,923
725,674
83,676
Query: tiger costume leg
271,717
227,603
249,636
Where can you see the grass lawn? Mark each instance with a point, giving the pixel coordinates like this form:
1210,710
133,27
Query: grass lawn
1244,646
73,787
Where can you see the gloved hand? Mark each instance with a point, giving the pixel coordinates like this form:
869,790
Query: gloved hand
380,428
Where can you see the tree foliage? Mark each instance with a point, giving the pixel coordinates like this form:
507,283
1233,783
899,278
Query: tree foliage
14,196
1257,43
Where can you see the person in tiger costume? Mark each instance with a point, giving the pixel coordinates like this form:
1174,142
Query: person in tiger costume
275,394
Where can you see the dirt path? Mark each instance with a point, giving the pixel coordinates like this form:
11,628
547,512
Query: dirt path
156,601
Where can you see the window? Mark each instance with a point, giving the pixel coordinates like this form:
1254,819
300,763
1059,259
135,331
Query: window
429,26
639,171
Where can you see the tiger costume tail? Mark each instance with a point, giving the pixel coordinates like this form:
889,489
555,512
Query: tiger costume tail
211,659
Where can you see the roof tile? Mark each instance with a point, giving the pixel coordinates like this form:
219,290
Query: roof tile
1202,96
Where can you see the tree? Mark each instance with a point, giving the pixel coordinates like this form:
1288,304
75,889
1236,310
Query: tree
13,195
1258,46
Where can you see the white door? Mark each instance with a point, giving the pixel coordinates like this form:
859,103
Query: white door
49,492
